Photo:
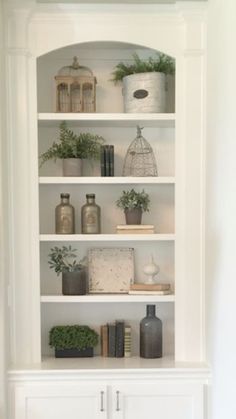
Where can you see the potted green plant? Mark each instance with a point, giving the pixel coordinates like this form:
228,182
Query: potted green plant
73,341
134,204
73,149
74,278
144,82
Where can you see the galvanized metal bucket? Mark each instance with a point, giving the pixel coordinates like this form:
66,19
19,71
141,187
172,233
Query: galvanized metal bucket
145,92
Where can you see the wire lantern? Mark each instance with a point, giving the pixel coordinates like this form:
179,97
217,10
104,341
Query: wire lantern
140,159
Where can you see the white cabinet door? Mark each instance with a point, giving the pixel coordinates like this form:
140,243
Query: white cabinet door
61,401
162,400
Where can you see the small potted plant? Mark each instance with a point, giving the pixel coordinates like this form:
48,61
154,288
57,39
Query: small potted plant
73,341
73,149
144,82
74,278
134,204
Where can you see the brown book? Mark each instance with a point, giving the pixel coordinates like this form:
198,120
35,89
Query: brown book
150,287
104,340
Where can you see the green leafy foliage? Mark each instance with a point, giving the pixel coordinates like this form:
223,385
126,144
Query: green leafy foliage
72,337
82,146
63,260
132,199
161,63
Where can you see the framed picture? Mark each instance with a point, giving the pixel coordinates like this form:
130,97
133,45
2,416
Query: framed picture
110,270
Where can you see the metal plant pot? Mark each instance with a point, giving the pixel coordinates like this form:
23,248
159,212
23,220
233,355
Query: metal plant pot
145,92
72,167
74,283
133,216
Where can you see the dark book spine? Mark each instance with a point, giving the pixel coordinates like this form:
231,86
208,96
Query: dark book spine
111,340
107,162
102,161
120,339
111,160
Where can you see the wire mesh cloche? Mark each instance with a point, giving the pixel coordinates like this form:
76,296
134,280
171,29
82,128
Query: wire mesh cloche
140,159
75,89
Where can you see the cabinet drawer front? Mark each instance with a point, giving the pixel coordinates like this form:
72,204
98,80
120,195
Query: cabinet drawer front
61,402
162,400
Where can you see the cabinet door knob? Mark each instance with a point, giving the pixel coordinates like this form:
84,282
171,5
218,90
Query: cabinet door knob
102,401
117,401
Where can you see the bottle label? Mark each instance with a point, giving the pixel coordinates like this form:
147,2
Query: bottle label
90,221
65,221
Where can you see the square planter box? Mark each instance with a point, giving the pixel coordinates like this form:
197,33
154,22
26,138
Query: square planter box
73,353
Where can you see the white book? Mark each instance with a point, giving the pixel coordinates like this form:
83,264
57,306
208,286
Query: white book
135,227
127,341
150,292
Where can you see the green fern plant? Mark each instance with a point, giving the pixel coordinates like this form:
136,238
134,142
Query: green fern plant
161,63
82,146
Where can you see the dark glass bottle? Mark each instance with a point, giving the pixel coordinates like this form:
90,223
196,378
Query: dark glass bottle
151,334
65,216
90,216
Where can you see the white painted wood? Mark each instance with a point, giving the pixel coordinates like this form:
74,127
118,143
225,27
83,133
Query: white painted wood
167,400
189,251
4,240
113,298
178,31
46,180
60,401
23,254
101,368
117,400
108,119
111,1
105,237
153,380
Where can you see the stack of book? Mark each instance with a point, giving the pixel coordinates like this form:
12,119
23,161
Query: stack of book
116,340
150,289
135,229
107,160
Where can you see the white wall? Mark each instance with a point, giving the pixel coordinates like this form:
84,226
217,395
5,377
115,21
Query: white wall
221,207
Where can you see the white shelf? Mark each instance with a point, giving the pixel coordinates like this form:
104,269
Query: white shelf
108,119
111,298
57,366
105,237
119,180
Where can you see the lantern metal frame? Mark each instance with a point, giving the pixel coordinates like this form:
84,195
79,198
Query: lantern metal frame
140,159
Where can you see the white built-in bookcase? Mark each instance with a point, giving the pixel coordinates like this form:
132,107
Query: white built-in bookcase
54,36
119,129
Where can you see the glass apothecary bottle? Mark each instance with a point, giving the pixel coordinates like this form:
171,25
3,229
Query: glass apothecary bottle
65,216
90,216
151,334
